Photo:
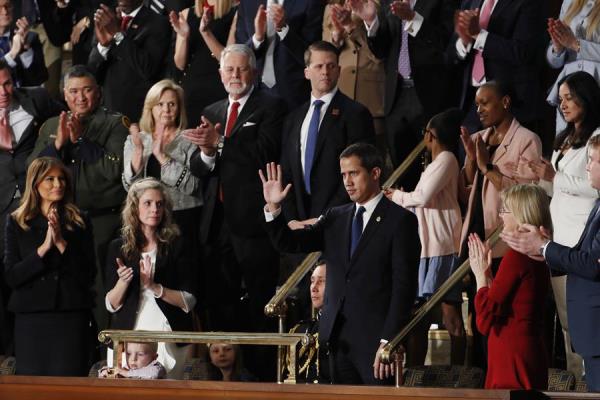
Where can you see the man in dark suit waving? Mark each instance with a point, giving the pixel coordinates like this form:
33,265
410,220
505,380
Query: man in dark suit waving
372,250
316,133
580,263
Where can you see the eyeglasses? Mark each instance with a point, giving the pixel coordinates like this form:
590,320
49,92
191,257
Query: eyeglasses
425,131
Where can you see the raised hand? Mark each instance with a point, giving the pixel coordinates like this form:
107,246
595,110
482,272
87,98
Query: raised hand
54,224
124,273
179,24
207,18
564,35
366,10
273,190
460,29
479,257
23,30
556,45
260,23
468,21
17,46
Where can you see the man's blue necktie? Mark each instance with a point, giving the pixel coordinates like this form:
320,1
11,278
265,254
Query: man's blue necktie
357,228
311,142
4,45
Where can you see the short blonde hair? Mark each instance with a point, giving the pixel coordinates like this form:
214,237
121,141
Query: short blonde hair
147,123
529,204
152,347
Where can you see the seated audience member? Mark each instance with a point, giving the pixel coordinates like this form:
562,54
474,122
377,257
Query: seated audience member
49,265
160,151
372,250
149,278
225,363
362,77
510,308
435,202
89,141
21,48
130,54
142,363
202,31
315,134
313,364
574,46
580,263
22,112
565,179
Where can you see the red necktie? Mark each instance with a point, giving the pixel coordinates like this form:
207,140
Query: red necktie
125,20
6,135
484,19
233,114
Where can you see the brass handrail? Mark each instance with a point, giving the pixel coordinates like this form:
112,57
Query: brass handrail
290,340
390,348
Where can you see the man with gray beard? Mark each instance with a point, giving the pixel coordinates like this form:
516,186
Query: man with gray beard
236,137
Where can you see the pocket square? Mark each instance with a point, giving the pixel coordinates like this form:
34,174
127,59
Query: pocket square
249,123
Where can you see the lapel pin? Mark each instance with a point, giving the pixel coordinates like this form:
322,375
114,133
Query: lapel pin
378,219
335,111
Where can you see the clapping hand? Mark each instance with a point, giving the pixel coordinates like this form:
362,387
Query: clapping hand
179,24
402,10
146,278
542,168
273,190
481,153
562,36
277,14
205,136
480,260
468,144
124,273
54,236
207,17
260,23
366,10
136,136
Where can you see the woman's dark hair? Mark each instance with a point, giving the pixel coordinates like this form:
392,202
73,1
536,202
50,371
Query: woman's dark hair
586,93
447,128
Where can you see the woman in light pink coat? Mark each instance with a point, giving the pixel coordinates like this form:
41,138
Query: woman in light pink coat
435,203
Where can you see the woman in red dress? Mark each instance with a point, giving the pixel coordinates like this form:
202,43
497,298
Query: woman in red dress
510,308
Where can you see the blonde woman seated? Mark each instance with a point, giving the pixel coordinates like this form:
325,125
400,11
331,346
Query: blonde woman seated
510,308
149,276
156,149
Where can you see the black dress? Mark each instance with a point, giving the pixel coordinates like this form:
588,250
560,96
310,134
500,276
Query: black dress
200,79
51,298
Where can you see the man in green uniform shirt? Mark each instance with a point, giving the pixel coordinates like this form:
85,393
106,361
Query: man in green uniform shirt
89,140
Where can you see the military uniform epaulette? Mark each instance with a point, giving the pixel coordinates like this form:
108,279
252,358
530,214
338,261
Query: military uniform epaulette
308,354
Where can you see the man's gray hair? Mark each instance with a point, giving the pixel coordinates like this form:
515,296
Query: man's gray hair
241,49
79,71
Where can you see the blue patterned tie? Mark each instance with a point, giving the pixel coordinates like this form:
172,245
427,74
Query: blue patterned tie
404,57
357,228
311,142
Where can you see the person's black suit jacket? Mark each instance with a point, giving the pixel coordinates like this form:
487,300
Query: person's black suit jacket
13,166
513,53
373,291
345,122
56,282
305,20
36,73
583,284
254,141
426,51
174,269
133,66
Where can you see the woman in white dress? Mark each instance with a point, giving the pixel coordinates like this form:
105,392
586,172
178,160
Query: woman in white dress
149,275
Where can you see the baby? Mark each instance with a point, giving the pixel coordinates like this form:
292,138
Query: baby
141,363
